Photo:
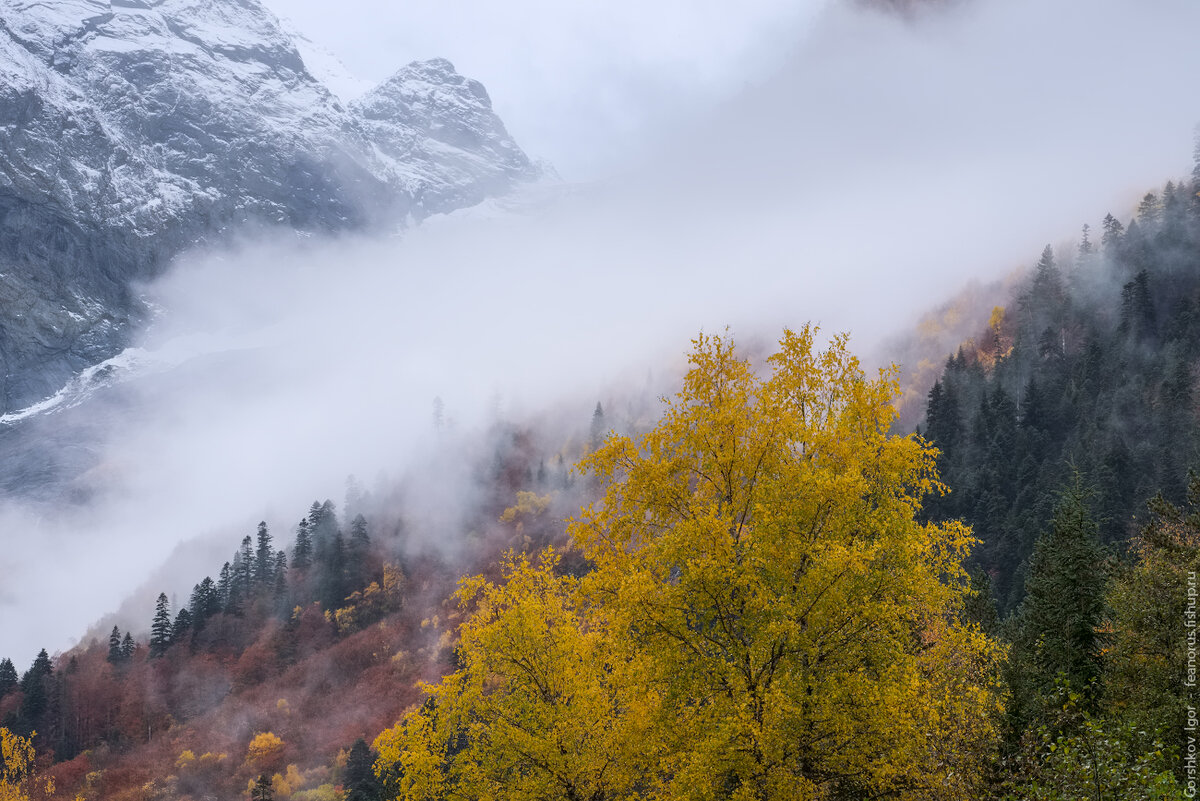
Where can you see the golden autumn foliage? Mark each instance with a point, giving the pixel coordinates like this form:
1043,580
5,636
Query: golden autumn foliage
286,783
765,617
538,688
324,792
17,775
370,603
529,504
16,765
265,750
346,619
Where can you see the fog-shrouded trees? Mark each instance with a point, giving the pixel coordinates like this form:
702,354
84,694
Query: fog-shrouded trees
359,781
261,790
204,602
160,627
1057,653
8,677
1099,366
765,617
1147,678
38,696
264,558
114,646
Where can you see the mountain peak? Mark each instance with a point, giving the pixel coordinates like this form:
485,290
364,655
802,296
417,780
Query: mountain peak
431,84
135,129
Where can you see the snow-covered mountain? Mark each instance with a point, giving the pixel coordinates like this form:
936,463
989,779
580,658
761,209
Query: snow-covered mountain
132,129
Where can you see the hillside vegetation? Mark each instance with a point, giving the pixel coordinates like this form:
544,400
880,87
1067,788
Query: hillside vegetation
767,593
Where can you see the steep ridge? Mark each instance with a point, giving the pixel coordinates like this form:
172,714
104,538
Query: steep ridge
133,129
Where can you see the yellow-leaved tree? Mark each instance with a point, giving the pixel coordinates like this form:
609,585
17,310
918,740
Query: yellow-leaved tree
16,768
765,618
541,708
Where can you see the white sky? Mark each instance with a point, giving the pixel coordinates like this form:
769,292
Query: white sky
577,82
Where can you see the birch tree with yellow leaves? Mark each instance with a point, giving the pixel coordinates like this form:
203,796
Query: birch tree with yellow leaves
543,707
765,618
16,768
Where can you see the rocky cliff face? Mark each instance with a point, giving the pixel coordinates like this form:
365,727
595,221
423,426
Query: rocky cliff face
133,129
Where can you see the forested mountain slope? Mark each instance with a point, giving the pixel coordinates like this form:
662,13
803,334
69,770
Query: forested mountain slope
311,636
762,595
1090,367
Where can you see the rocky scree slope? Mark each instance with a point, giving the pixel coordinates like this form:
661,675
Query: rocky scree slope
133,129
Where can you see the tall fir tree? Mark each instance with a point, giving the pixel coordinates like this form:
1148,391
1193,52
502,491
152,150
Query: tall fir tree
1046,277
237,585
35,685
327,523
244,569
359,536
160,627
1110,240
8,677
314,514
322,526
281,566
1086,248
1147,661
1138,319
1058,646
114,647
262,789
358,552
225,587
181,629
302,553
264,558
205,602
598,428
359,780
333,586
1149,210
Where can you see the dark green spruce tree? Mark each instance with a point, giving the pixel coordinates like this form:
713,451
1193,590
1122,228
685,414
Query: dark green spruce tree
243,571
114,647
8,677
1057,644
204,602
36,686
598,429
359,781
160,627
334,584
264,559
281,566
303,551
262,789
225,587
181,629
358,552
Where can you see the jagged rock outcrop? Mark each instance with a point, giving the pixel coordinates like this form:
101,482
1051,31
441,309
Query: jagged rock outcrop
133,129
447,124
